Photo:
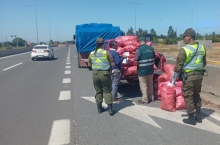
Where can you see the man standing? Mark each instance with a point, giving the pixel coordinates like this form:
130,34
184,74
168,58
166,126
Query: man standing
116,70
145,57
101,60
191,62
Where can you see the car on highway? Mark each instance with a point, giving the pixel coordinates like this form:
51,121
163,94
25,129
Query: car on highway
41,52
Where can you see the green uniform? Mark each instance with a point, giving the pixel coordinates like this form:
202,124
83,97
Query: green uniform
193,70
100,61
145,56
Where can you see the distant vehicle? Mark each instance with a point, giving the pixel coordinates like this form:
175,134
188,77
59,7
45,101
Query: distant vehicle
42,51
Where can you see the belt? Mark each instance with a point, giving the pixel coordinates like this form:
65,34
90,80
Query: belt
103,70
195,73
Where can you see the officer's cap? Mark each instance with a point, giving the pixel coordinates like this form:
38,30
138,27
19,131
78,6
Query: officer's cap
189,32
99,41
141,39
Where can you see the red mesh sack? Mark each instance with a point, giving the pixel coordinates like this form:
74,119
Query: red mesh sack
120,44
169,68
130,48
129,71
131,55
168,99
120,50
162,84
163,78
178,91
180,103
127,38
133,43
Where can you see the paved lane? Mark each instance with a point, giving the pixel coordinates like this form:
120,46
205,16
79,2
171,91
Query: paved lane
133,124
30,109
52,103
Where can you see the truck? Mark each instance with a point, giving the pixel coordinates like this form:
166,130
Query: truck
159,63
85,36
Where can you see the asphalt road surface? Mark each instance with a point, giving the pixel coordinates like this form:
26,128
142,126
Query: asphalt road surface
51,102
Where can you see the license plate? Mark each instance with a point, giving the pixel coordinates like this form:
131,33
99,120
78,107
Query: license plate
39,56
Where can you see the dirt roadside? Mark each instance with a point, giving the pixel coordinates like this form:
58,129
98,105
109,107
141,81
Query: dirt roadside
213,54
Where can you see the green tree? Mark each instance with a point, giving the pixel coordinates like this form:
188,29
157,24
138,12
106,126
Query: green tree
122,33
18,41
171,33
141,33
130,32
153,32
51,42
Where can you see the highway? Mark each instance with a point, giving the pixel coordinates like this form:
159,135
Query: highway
51,102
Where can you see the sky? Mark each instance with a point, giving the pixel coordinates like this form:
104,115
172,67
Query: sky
57,18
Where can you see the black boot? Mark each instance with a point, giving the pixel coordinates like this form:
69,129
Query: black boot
191,120
110,111
198,115
99,107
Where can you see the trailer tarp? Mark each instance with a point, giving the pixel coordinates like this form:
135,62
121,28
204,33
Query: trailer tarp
86,34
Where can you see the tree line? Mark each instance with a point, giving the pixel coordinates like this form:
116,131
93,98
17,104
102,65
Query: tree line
22,43
171,37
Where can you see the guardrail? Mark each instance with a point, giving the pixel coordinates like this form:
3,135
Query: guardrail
8,52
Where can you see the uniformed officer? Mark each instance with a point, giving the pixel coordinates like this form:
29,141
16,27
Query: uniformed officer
145,57
191,62
101,60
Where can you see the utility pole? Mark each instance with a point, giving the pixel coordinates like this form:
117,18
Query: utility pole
192,16
135,3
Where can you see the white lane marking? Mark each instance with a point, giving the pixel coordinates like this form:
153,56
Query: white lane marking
68,66
74,56
68,63
12,66
143,113
68,57
66,80
67,60
60,133
134,111
14,55
65,95
67,72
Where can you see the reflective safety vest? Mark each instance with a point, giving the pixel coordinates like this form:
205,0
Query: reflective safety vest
197,61
99,60
146,62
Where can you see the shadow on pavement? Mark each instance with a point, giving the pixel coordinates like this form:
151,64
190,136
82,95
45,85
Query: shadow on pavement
129,91
121,105
43,59
206,112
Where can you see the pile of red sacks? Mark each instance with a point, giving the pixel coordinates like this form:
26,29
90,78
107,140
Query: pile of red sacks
171,97
128,44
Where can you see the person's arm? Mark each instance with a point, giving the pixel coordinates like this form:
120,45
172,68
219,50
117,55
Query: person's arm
204,59
137,56
110,58
179,65
180,61
89,60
